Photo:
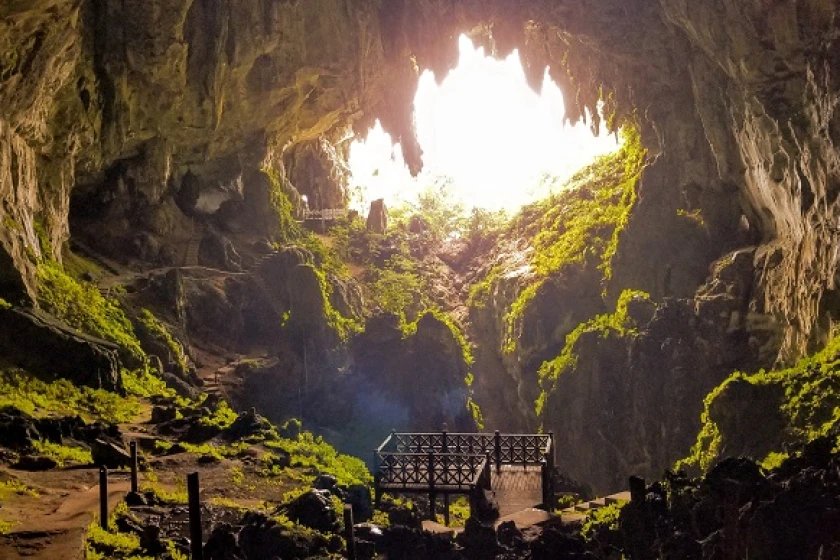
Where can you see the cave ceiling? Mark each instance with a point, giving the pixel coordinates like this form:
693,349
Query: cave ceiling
735,99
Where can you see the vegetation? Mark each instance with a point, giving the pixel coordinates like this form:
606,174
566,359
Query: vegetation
155,329
60,397
810,406
101,544
287,227
616,323
63,454
4,304
459,512
580,225
601,521
15,486
144,383
82,307
315,456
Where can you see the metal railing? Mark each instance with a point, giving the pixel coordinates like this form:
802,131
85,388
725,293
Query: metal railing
325,214
458,462
433,471
503,449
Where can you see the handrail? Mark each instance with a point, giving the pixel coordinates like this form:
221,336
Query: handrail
525,449
324,214
433,470
384,443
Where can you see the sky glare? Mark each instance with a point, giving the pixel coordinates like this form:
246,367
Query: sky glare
488,131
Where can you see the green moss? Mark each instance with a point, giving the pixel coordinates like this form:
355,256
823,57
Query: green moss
810,406
312,455
213,450
43,240
61,397
10,224
615,323
480,291
82,307
343,326
158,332
144,383
78,267
15,486
602,520
287,227
223,416
4,304
63,454
396,288
774,460
475,412
101,544
583,222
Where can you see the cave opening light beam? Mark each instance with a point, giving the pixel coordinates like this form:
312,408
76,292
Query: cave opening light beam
501,144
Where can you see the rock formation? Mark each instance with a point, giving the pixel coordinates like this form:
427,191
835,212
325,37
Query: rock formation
180,133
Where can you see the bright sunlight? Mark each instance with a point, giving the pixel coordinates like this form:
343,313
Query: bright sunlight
485,132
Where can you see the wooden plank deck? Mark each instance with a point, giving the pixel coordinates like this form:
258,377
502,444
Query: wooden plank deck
516,488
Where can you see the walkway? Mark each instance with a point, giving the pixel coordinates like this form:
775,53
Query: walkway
56,528
516,488
515,467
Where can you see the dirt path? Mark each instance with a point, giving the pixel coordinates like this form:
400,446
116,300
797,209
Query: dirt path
52,525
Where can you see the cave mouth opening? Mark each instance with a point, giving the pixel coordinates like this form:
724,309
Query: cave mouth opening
489,140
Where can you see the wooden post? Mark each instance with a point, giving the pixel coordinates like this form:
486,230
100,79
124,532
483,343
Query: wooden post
550,467
103,497
133,447
546,488
446,508
432,493
349,533
551,458
497,447
638,489
196,545
444,446
377,490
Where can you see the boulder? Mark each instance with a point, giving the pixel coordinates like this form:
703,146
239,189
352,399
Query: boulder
314,510
40,344
222,545
262,538
217,251
108,454
377,220
161,414
358,496
478,540
34,463
17,429
485,506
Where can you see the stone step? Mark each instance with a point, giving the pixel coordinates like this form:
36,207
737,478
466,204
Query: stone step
617,498
527,518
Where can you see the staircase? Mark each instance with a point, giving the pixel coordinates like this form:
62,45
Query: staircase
579,511
191,254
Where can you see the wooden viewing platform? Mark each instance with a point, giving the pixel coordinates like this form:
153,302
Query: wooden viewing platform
516,467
